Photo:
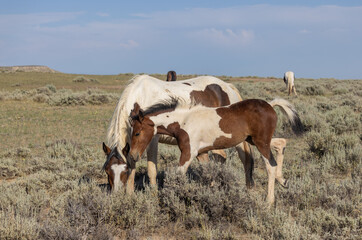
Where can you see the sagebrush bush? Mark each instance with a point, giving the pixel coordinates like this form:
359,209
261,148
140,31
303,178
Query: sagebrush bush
343,119
321,142
214,193
313,90
64,97
84,79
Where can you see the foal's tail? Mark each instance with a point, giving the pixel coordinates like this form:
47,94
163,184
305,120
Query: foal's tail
291,113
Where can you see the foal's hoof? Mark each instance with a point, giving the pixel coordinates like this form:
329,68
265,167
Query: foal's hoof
285,184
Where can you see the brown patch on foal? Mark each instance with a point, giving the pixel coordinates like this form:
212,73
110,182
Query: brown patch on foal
182,139
243,121
212,96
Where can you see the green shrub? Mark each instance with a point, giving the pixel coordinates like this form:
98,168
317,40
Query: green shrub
84,79
213,194
313,90
322,142
343,119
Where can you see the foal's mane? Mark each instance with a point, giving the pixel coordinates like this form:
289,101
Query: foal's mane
165,105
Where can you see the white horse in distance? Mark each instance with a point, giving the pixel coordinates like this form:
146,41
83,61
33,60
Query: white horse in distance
289,81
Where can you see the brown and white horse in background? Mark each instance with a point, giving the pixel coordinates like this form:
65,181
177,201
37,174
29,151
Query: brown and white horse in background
289,81
199,129
206,90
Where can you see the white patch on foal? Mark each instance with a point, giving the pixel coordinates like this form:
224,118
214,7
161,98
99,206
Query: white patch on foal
192,120
117,170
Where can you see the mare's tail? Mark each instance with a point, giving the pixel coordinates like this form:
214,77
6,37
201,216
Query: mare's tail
291,113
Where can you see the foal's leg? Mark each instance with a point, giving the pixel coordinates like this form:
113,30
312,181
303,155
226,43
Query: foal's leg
186,159
244,152
152,150
271,166
295,91
130,180
271,170
279,144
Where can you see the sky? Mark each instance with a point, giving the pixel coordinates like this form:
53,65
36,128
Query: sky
313,38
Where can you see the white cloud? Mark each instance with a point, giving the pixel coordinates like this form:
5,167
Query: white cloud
102,14
304,31
223,37
129,44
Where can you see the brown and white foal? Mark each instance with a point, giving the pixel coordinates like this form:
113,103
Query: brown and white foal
200,129
116,167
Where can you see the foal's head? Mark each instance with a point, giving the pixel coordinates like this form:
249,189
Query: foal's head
142,133
116,167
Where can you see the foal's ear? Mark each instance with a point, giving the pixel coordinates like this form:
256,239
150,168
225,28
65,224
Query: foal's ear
125,150
135,111
141,115
136,108
106,149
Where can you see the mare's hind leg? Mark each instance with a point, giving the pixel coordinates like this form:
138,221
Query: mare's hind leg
244,152
203,158
219,155
271,166
278,144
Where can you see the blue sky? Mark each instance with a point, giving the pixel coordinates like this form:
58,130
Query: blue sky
315,39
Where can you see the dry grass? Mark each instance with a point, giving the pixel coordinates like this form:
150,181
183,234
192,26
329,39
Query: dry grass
52,187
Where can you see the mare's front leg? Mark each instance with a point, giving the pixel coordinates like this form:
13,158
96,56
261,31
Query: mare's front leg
279,144
152,150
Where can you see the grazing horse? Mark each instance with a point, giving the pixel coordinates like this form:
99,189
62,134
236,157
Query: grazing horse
289,81
116,167
199,129
171,76
206,90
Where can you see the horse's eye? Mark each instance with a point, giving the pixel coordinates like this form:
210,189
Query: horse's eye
137,134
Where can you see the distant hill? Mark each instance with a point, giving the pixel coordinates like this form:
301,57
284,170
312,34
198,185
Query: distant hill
27,68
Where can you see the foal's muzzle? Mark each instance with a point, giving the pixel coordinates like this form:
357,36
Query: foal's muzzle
134,156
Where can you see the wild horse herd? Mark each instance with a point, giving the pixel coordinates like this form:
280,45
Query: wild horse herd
199,115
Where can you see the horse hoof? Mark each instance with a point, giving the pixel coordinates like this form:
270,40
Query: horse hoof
285,184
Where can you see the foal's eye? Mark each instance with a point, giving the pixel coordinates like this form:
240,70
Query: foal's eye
137,134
